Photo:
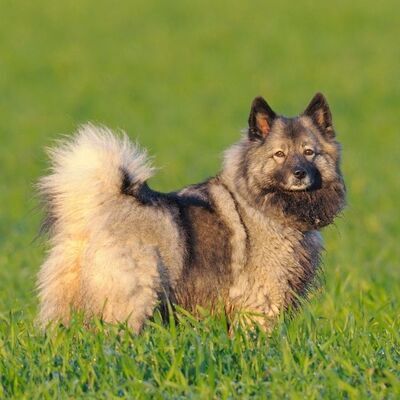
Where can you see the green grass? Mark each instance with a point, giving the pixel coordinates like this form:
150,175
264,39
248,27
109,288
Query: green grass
180,76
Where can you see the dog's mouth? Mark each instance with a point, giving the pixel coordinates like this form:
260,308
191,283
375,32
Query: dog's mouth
298,187
307,184
292,190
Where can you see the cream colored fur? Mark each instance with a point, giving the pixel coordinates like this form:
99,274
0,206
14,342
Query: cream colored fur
86,269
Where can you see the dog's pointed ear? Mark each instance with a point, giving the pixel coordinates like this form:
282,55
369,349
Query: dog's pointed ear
261,119
318,110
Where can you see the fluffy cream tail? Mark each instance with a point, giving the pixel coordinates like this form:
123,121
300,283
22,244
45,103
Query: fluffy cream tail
87,171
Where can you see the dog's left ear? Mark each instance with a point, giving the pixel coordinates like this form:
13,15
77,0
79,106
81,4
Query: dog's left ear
318,110
260,119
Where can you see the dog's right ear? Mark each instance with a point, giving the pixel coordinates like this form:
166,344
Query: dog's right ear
260,119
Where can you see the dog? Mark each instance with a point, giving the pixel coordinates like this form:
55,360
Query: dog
247,238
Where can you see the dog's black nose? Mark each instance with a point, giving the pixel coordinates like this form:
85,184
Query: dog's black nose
299,173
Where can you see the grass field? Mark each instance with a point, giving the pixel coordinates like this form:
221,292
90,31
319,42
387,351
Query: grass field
180,77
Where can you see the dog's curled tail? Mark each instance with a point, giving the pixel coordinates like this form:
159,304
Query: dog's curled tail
89,170
90,176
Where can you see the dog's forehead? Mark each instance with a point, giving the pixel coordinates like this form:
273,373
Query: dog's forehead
296,129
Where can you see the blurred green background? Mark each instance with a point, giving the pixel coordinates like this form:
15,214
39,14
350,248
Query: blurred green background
179,76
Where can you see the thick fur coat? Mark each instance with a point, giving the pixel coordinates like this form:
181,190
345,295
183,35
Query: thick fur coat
246,239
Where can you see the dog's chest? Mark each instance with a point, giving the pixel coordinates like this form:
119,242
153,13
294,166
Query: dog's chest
279,262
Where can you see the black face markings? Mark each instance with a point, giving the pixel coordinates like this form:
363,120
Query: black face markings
300,169
304,168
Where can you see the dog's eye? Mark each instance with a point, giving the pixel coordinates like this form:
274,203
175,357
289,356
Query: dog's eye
308,152
279,154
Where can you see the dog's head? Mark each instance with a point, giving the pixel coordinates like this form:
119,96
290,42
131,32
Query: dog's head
292,164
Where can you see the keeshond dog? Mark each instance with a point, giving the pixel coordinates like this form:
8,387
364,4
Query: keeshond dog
247,238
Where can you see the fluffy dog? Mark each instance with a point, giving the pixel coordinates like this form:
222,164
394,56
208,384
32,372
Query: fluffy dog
247,238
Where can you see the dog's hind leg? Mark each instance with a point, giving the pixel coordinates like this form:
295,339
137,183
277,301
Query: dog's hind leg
59,281
122,283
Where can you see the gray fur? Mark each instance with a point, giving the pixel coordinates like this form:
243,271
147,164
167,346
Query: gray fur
246,239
